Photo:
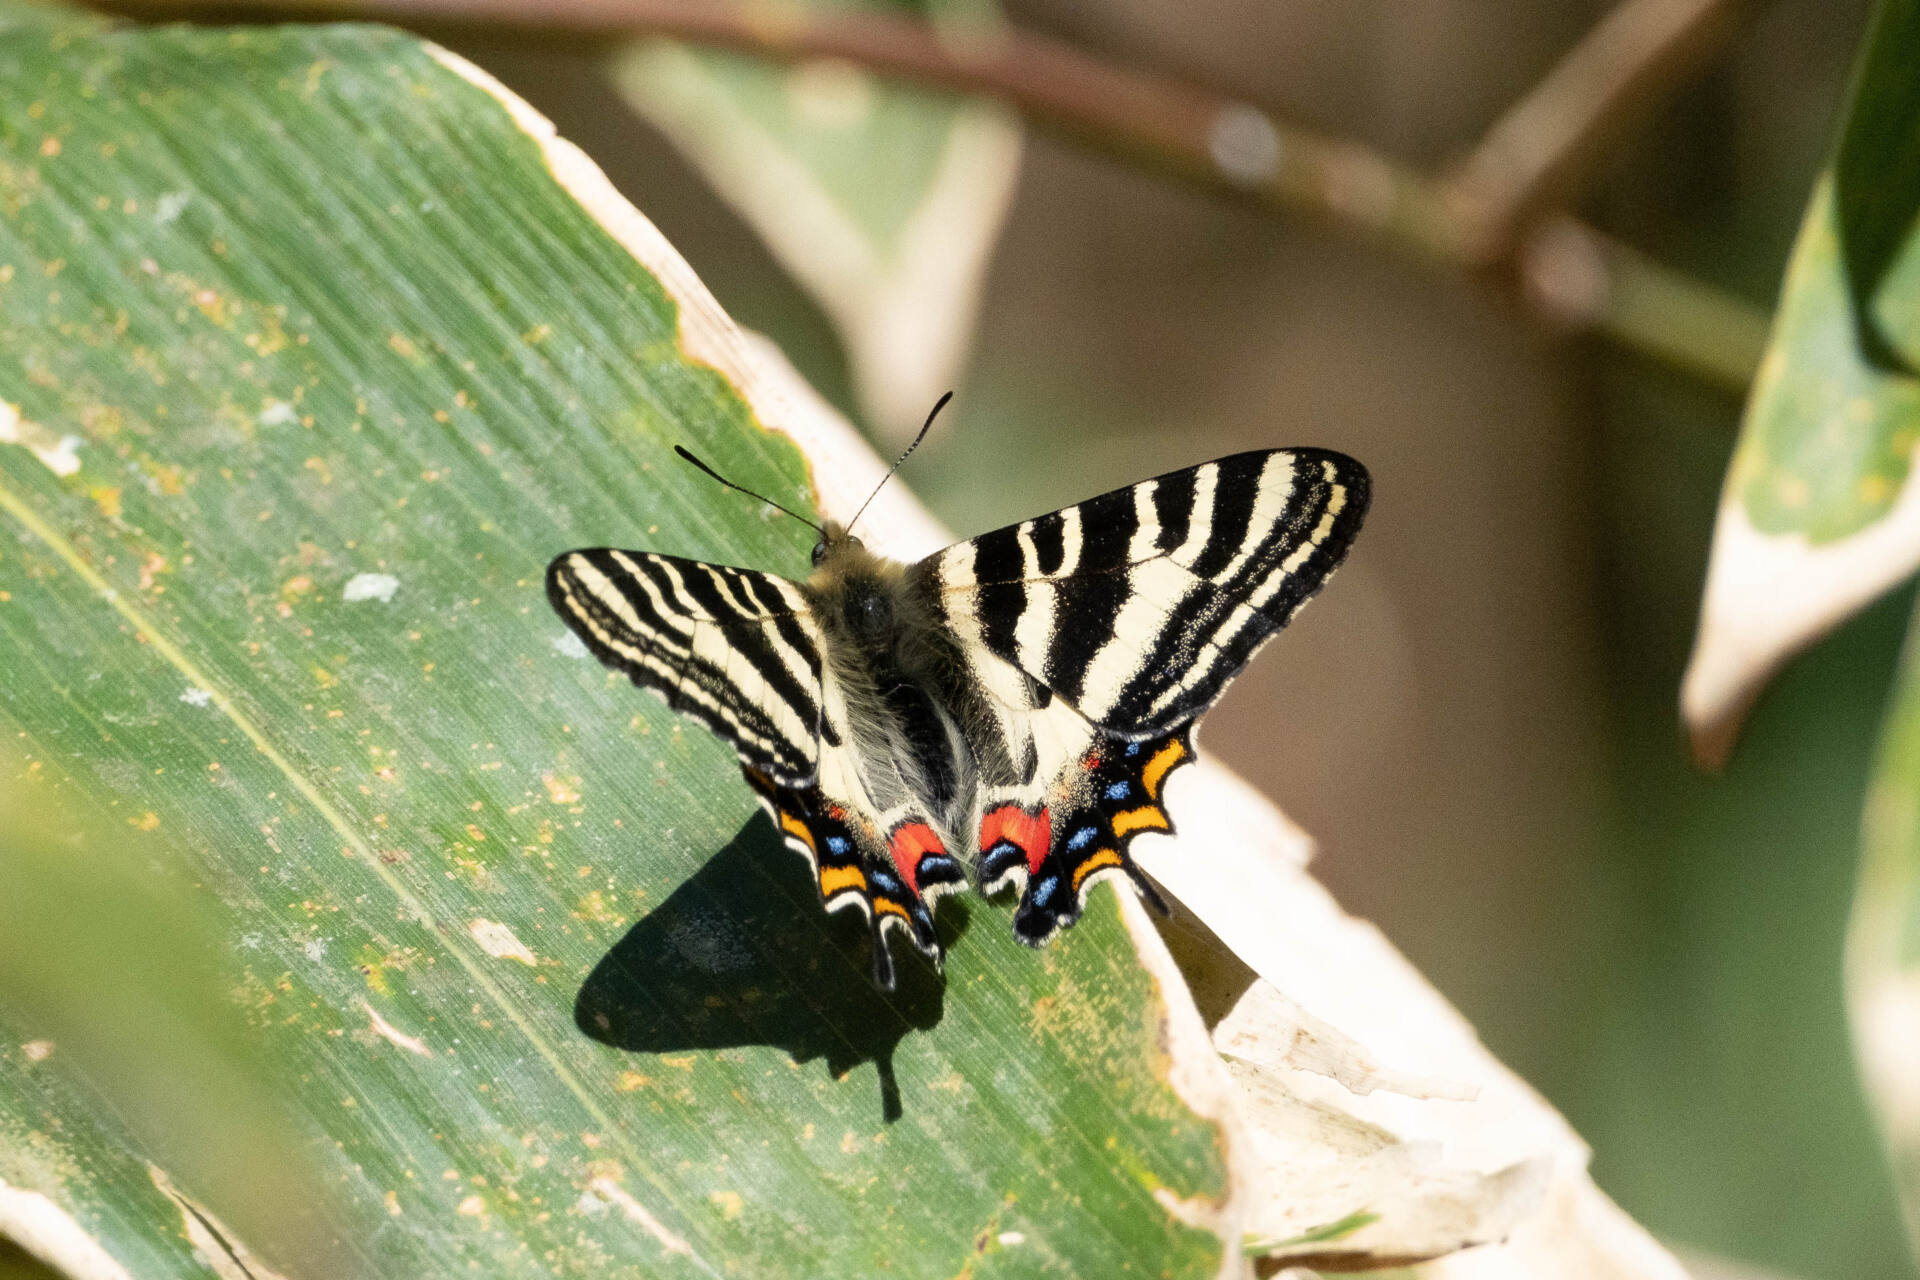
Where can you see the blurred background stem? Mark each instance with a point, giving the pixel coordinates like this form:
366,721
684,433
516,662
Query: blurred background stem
1499,213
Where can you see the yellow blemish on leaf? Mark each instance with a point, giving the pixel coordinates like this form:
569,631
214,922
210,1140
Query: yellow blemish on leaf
594,907
561,790
1874,490
631,1082
148,821
37,1050
402,345
49,146
731,1205
472,1207
107,498
324,678
213,307
392,1201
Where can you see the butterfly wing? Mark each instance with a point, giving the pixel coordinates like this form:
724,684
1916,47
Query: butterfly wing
741,652
1139,606
1104,630
734,649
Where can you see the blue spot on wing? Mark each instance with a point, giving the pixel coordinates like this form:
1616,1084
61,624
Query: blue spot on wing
1044,890
836,845
1133,748
1082,838
1118,791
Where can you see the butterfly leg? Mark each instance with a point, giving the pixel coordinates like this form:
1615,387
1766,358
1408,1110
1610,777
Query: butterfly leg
1117,798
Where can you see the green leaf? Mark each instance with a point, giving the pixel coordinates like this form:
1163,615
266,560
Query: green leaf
1818,517
1883,939
882,200
315,358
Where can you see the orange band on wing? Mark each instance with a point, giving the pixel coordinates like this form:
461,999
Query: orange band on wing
837,879
1102,858
1146,818
798,830
1164,759
888,907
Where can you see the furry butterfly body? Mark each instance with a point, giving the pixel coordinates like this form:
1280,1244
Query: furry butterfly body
1008,708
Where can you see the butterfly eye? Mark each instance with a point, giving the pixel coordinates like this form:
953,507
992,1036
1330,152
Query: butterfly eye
819,551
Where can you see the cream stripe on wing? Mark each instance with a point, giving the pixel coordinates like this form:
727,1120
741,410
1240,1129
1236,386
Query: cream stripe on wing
1200,524
1274,488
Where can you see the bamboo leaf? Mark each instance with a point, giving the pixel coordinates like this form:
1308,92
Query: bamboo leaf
1883,940
324,345
883,201
316,363
1819,516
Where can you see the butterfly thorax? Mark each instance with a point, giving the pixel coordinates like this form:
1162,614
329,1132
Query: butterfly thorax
894,668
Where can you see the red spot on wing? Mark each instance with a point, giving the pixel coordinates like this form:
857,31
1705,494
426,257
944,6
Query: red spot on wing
909,843
1031,833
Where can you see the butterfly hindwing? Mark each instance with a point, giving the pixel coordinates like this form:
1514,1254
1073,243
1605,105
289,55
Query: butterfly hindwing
1114,797
894,892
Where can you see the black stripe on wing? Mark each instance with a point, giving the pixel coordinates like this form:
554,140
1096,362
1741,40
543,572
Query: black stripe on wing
1139,606
733,648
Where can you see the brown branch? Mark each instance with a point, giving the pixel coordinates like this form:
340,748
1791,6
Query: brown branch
1213,140
1535,155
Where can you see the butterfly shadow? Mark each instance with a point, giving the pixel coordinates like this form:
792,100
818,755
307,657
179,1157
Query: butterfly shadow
741,954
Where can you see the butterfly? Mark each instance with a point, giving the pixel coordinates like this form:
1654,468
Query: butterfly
1011,706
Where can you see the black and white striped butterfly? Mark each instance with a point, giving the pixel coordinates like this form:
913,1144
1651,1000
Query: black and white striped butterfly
1011,705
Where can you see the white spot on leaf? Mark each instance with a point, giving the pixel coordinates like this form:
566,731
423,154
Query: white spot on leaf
612,1192
59,453
500,942
393,1035
171,206
194,697
570,645
278,413
370,586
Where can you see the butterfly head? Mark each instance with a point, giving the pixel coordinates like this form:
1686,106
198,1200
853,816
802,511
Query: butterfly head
835,544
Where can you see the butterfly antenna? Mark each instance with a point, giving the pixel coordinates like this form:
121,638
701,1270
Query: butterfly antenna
750,493
925,427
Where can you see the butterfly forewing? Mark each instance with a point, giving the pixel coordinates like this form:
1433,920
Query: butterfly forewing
1139,606
732,648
